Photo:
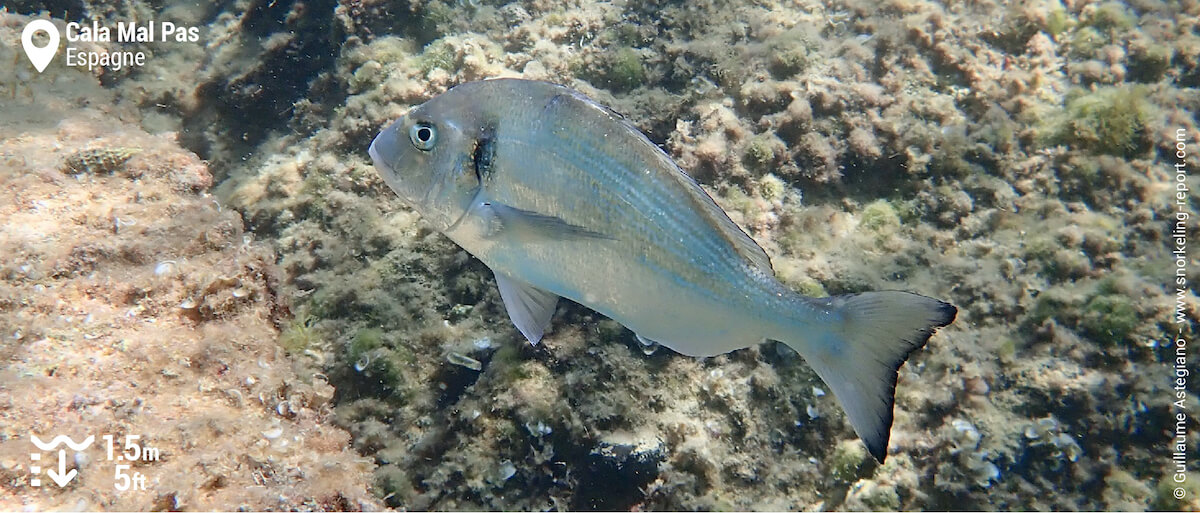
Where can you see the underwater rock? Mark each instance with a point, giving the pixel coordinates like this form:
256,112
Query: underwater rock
115,330
1017,193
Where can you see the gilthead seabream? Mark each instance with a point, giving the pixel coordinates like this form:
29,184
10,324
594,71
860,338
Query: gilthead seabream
561,197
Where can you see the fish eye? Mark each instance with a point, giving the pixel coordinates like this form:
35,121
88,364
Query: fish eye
423,135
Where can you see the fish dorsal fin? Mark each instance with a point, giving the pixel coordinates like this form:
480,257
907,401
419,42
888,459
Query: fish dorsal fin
708,208
530,308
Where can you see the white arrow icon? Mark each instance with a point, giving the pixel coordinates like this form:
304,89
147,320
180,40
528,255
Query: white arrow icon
62,477
40,57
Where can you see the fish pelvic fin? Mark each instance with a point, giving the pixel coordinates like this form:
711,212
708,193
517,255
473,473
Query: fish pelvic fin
529,307
859,351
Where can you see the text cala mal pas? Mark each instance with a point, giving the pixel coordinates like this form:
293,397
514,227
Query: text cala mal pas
148,32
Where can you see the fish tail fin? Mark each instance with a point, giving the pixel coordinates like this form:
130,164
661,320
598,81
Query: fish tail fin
858,352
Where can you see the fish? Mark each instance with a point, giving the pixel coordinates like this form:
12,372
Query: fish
562,197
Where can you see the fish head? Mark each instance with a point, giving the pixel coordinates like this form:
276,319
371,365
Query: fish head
427,158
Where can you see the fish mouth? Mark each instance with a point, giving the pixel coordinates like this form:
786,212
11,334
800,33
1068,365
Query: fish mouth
377,150
384,151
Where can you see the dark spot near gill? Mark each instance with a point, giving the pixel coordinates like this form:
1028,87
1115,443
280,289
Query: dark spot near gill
485,152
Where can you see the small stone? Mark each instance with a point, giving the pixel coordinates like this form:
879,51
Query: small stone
164,267
1032,433
463,360
362,363
506,470
976,386
539,430
648,346
100,160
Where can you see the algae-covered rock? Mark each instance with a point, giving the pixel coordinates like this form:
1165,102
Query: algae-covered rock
149,315
1110,319
879,216
1111,120
625,70
847,459
1019,171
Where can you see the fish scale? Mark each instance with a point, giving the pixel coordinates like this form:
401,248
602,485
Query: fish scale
571,201
645,206
648,214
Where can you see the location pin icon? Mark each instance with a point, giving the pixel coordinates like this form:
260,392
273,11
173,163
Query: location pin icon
40,57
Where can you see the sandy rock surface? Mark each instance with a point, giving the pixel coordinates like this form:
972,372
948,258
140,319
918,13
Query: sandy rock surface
133,304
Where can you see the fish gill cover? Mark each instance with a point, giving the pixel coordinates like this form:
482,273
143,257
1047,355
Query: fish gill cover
198,251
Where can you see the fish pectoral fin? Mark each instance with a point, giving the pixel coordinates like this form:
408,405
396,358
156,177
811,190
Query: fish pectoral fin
532,226
529,307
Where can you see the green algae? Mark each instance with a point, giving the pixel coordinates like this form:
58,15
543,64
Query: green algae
882,498
771,187
1006,348
300,335
625,70
762,153
1111,120
737,199
1055,304
1057,21
1109,319
1086,41
626,34
758,154
439,54
507,362
812,288
376,357
395,484
790,58
620,69
880,216
791,53
1110,16
366,340
1149,63
847,460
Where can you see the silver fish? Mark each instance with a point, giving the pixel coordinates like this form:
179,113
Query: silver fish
561,197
